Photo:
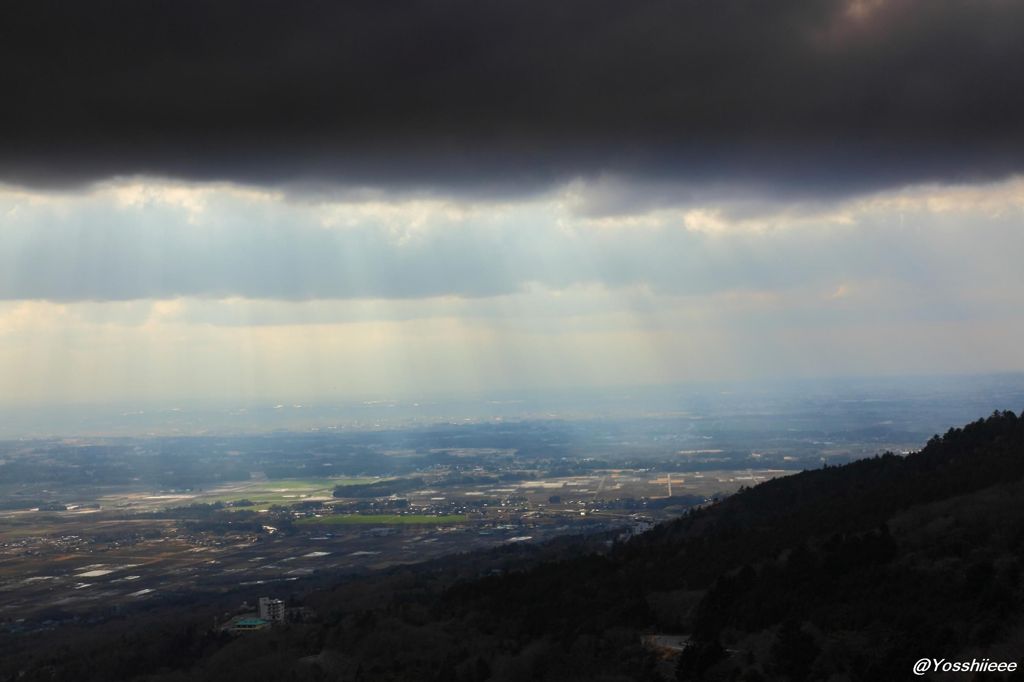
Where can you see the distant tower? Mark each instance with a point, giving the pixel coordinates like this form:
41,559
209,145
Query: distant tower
271,609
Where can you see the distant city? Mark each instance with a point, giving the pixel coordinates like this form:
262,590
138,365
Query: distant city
94,525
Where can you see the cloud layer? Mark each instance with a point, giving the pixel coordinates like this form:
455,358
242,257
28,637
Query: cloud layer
808,97
130,241
147,290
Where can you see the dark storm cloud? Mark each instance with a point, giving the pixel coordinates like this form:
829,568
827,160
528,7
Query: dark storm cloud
811,96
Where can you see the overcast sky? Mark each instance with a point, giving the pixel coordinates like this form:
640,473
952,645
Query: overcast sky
271,200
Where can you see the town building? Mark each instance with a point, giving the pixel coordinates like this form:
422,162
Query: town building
247,625
271,609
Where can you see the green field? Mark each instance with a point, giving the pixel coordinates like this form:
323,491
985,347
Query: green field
262,493
383,519
283,491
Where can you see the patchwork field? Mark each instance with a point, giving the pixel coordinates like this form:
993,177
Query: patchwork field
113,547
260,492
383,519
